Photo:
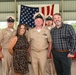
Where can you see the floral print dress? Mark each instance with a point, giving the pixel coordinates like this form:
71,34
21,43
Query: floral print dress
20,56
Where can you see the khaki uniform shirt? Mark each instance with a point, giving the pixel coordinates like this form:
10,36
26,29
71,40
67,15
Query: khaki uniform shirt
39,40
5,37
49,27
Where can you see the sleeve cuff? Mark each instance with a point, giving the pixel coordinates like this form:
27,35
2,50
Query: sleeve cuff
71,52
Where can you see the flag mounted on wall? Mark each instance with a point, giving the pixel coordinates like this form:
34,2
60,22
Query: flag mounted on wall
26,12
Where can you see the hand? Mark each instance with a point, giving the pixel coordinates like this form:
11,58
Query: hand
48,55
11,52
1,55
70,55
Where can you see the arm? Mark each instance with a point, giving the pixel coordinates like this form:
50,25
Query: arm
29,35
1,55
12,43
72,41
49,48
29,50
49,44
0,47
1,38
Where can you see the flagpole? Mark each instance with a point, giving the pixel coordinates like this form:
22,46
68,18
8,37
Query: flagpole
15,2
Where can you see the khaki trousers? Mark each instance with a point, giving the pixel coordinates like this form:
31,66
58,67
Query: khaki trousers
7,63
38,60
50,67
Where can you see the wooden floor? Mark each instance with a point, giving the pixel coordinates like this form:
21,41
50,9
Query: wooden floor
31,72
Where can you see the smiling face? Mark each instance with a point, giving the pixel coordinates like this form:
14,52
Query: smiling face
57,19
39,22
48,22
22,30
10,24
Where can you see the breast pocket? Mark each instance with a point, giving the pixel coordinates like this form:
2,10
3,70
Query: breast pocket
7,35
45,37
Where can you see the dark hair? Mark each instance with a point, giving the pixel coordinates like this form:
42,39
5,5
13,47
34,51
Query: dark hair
27,26
18,29
57,14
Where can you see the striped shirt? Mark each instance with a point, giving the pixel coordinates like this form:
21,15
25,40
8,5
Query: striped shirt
63,38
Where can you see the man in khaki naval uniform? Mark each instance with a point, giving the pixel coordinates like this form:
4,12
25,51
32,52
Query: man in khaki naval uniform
5,37
40,45
50,68
48,22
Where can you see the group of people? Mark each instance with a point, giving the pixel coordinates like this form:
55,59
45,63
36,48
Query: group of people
38,43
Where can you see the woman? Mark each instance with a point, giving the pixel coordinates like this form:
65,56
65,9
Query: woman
18,48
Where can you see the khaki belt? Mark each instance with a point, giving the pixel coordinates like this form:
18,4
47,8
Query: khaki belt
62,50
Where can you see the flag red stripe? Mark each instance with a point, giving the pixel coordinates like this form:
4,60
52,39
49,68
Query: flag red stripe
43,10
48,10
52,10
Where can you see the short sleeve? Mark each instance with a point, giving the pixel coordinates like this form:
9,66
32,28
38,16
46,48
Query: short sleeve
29,35
49,36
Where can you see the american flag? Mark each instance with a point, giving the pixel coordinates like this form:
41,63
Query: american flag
27,13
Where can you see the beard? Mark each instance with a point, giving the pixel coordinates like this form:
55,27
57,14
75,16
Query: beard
58,23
